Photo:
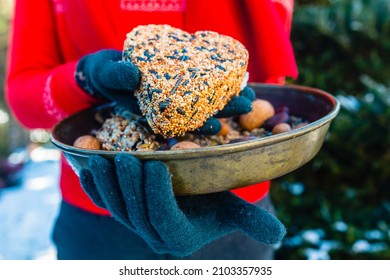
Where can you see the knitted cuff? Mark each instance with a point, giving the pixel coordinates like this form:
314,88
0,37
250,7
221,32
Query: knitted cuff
65,92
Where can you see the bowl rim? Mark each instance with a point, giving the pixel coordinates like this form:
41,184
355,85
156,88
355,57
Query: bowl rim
220,149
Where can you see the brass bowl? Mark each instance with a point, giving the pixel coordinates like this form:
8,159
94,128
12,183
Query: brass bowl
230,166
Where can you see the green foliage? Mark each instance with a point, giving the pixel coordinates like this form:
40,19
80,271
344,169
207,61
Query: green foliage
343,48
4,20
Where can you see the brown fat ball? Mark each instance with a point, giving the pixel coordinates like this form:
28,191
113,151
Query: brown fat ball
87,142
261,111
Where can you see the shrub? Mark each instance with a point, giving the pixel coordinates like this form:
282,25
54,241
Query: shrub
343,48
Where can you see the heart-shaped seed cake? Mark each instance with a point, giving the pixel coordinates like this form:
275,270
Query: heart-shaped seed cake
185,78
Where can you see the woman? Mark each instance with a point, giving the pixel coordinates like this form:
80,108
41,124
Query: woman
54,39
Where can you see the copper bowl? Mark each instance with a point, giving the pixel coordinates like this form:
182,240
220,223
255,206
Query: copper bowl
230,166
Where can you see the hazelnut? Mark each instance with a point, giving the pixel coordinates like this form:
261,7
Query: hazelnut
225,127
280,128
87,142
184,145
261,111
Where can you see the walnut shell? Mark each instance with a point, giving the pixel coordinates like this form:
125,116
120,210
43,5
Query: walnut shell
87,142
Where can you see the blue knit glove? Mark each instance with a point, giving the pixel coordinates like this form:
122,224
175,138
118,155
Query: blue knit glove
238,105
140,196
104,75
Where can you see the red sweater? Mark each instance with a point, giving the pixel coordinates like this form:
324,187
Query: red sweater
49,36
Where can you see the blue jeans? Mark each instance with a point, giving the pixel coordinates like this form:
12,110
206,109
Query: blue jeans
80,235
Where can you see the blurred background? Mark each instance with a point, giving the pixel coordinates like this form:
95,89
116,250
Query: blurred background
335,207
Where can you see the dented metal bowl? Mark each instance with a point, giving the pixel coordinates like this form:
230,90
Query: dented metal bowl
230,166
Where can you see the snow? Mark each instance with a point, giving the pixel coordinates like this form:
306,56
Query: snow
28,211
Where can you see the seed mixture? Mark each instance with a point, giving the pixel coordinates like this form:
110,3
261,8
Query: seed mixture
185,78
124,131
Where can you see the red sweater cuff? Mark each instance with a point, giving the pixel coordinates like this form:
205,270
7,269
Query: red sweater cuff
65,92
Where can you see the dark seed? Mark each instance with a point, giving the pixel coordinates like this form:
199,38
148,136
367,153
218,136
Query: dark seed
179,80
194,113
167,76
148,92
156,90
187,92
184,58
180,111
175,38
140,58
195,100
171,56
154,72
193,69
163,105
220,67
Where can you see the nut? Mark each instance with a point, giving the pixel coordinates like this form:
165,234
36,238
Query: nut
280,128
184,145
87,142
261,111
225,127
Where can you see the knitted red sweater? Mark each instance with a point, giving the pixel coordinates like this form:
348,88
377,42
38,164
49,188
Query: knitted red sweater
49,37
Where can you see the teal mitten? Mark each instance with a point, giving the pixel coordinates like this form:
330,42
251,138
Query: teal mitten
238,105
103,74
140,196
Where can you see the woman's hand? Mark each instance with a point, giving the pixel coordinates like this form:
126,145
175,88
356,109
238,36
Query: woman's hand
140,196
104,75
